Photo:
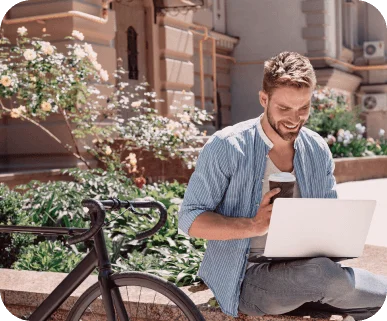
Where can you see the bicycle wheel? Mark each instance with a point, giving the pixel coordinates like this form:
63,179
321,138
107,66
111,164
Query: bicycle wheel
146,298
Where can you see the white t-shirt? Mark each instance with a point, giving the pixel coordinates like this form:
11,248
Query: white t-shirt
258,243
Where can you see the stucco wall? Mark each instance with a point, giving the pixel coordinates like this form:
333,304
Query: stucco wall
265,28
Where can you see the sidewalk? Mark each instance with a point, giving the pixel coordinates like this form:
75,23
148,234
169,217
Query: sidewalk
370,190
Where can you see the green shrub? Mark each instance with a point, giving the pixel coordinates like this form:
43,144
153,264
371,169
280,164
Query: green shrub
48,256
11,213
167,253
330,112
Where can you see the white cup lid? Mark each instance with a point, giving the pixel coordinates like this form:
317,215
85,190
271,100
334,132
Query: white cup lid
282,177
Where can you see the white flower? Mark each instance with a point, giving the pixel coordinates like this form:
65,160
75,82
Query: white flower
80,53
320,96
185,117
47,48
171,126
79,35
15,113
33,79
136,104
6,81
381,132
202,117
178,134
123,84
124,100
3,67
360,129
22,31
108,150
46,106
96,65
29,54
93,90
23,109
90,52
131,156
104,75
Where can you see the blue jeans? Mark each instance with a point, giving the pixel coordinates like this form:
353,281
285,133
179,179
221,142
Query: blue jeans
281,287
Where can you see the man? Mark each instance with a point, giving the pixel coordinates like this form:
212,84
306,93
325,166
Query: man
228,203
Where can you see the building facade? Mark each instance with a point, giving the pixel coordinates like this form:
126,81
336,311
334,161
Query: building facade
211,51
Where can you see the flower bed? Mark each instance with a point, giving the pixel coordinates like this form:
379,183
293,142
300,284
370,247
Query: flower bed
332,118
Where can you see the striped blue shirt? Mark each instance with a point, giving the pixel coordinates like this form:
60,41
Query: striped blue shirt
228,180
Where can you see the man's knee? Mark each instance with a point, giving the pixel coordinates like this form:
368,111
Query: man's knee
336,279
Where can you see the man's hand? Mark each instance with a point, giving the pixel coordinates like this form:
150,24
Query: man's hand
261,220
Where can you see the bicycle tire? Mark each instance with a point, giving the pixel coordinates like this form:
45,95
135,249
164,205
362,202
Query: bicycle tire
143,280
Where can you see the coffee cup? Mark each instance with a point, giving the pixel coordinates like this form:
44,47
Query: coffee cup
285,181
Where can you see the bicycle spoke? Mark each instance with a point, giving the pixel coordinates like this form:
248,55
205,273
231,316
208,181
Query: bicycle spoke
127,293
138,303
142,303
154,298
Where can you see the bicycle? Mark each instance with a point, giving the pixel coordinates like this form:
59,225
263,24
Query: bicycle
109,290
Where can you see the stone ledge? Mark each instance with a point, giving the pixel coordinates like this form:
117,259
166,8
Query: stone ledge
360,168
24,177
347,170
23,291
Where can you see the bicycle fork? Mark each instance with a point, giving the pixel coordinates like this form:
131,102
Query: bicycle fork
111,295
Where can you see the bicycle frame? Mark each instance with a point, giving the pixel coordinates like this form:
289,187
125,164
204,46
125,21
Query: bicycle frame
96,258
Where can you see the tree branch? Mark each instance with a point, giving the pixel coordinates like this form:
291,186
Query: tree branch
73,138
47,132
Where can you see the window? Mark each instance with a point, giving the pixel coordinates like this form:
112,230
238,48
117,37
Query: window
132,54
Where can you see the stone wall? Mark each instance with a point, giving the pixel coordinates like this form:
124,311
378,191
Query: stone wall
361,168
347,170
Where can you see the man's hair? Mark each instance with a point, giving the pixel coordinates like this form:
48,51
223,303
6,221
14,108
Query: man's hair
288,69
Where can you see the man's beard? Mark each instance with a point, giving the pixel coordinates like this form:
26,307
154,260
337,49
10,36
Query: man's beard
287,136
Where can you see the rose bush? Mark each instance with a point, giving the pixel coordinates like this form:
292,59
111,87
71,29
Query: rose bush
37,81
332,118
330,112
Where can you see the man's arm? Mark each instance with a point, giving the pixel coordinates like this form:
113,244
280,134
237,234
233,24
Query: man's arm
330,186
206,188
213,226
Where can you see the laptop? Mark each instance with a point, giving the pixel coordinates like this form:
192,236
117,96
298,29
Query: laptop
309,227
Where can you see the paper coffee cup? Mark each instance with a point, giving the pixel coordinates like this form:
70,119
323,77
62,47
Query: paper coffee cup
285,181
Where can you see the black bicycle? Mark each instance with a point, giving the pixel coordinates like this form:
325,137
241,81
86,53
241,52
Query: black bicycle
131,296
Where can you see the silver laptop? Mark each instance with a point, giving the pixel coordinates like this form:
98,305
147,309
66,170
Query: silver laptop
308,227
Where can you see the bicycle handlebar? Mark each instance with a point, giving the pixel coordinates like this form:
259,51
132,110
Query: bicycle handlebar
98,207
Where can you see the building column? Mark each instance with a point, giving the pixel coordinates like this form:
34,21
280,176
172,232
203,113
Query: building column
175,55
